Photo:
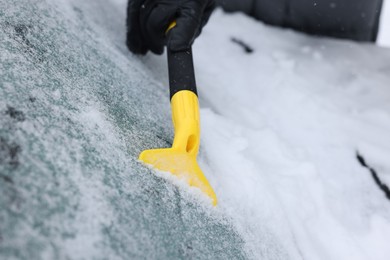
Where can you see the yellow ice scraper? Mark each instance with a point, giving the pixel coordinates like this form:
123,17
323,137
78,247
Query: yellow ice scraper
180,159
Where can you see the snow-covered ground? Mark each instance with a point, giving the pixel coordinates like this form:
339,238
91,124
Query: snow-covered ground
282,128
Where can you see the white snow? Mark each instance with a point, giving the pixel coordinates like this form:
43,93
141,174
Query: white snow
384,29
280,131
281,128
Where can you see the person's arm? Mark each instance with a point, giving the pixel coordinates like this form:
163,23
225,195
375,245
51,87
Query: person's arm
356,20
148,20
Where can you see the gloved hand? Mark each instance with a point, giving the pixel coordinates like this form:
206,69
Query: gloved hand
148,20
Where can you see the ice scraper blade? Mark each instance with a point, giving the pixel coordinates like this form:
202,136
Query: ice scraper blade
180,159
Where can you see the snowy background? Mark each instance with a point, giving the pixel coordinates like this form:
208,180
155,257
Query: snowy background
295,141
384,30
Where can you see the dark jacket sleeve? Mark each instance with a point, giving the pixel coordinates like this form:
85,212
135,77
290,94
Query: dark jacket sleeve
356,20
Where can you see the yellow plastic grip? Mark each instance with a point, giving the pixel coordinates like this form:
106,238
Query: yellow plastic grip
170,26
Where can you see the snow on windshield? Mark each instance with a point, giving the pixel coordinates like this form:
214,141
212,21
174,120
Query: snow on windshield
294,141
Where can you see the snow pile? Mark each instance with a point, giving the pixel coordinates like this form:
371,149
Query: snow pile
281,133
294,141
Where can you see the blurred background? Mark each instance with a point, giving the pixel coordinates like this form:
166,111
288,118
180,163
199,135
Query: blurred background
384,30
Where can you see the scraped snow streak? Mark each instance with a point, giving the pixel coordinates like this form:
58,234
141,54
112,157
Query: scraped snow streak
283,128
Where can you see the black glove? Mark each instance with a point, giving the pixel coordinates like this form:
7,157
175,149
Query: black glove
148,20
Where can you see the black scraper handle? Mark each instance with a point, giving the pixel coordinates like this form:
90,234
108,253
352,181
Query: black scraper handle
181,72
